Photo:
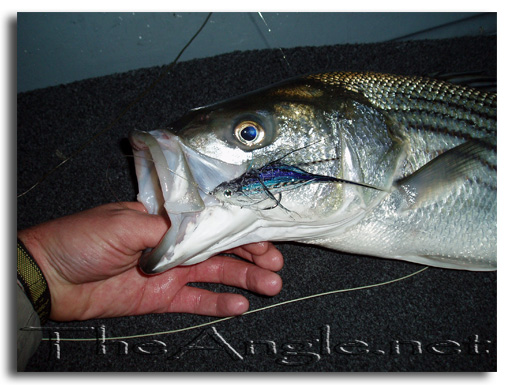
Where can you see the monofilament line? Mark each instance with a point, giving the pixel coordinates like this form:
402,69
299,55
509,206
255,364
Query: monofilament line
250,311
280,48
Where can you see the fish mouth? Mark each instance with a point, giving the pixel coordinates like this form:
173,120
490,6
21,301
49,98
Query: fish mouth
174,179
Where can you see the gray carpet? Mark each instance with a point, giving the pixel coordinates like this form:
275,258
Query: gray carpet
437,320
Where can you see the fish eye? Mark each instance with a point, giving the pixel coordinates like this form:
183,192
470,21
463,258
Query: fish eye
227,193
249,133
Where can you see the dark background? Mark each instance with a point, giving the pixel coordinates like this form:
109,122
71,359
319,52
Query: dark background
374,329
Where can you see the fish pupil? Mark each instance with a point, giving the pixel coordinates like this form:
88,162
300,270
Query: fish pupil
249,133
227,193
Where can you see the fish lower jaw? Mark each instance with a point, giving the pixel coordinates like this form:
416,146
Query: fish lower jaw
175,248
194,237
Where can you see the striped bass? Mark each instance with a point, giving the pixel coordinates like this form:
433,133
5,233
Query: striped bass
412,162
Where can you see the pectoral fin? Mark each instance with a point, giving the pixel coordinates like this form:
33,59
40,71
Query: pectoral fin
440,173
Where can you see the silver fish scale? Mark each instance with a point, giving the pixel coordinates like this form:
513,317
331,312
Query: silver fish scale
434,117
399,232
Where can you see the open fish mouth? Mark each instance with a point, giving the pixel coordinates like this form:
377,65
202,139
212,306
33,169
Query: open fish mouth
174,179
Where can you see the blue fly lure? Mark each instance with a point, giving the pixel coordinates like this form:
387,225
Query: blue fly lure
257,185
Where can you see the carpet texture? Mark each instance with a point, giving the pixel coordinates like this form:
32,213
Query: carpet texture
437,320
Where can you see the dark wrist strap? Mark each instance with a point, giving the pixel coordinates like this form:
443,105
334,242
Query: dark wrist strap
34,283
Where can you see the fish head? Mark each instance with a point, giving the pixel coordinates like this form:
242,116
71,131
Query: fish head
197,173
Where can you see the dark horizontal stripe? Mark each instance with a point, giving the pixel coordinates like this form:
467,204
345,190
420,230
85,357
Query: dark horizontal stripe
483,121
439,122
317,161
398,92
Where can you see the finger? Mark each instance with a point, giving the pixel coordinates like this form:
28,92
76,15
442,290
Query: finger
138,228
257,248
138,206
152,228
199,301
263,254
233,272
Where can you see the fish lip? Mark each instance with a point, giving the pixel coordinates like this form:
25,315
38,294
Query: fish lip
179,188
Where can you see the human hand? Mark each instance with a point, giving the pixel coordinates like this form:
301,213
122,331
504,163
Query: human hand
89,260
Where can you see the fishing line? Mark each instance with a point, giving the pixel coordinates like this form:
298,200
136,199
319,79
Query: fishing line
338,291
271,34
163,74
437,27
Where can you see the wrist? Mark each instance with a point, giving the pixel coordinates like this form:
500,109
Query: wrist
32,280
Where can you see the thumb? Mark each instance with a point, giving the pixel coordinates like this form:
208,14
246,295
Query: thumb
147,228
